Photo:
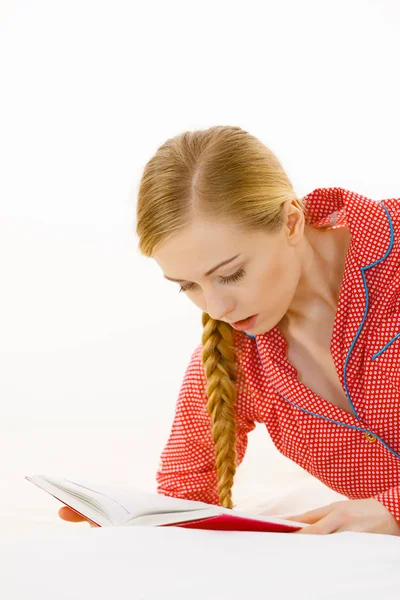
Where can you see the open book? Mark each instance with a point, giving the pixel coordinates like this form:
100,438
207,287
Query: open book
108,506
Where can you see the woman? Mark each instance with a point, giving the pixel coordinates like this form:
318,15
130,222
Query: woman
318,364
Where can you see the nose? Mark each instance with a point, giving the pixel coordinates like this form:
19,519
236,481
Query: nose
219,310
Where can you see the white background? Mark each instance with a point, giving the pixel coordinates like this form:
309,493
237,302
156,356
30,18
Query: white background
93,341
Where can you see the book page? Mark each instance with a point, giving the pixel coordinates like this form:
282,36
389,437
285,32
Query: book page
123,503
137,503
155,509
111,505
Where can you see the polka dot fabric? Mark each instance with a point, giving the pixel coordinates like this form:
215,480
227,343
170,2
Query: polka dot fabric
357,455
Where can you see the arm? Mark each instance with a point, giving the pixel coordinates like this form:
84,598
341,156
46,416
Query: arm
187,467
391,500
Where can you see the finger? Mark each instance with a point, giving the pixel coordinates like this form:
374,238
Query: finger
329,524
312,516
307,517
298,518
68,514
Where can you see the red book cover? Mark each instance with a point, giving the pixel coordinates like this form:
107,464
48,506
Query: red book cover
225,522
221,522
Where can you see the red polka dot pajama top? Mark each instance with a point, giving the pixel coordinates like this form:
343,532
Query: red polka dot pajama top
356,455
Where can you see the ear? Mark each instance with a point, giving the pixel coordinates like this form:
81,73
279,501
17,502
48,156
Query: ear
294,221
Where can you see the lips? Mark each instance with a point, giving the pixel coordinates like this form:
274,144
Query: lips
242,320
245,323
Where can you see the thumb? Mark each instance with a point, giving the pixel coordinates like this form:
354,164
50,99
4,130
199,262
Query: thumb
67,514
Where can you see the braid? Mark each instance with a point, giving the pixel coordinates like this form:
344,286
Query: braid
219,363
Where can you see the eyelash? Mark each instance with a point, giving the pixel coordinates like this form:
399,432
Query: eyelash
235,277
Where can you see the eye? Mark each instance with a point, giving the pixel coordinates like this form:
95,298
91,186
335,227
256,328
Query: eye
235,277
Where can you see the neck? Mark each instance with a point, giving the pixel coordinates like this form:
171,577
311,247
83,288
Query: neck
323,258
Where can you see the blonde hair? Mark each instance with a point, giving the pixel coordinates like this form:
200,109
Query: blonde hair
221,172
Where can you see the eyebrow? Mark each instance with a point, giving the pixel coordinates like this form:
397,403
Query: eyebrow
225,262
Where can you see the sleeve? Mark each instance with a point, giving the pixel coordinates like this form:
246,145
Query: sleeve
188,462
391,500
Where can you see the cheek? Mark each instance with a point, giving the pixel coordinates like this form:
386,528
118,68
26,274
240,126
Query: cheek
272,280
276,286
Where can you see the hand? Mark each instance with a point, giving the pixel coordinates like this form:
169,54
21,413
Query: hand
367,515
67,514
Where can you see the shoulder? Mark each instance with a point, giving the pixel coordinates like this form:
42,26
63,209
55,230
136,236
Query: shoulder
391,206
375,234
386,233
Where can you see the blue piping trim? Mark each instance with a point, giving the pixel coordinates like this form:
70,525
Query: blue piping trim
342,424
385,347
333,420
367,297
352,346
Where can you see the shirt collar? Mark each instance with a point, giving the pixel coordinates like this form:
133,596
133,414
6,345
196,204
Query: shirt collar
367,220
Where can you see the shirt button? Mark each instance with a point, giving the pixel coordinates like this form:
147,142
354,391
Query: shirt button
370,437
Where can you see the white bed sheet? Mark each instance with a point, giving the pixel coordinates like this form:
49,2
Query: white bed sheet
152,563
43,557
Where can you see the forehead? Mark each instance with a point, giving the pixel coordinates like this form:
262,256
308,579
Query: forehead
203,244
205,238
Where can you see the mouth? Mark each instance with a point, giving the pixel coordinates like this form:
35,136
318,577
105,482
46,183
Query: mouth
241,320
247,323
